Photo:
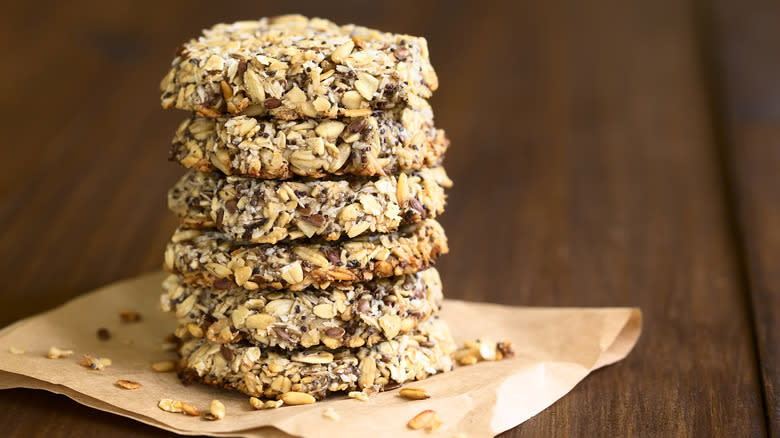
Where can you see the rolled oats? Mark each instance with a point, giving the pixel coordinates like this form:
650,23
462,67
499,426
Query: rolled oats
178,406
56,353
375,143
331,414
128,384
291,67
165,366
267,211
251,370
411,249
358,395
427,419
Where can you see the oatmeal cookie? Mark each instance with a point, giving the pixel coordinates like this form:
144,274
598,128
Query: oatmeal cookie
381,143
211,258
270,211
351,316
291,67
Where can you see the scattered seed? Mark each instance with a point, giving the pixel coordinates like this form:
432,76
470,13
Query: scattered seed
190,409
129,316
103,334
273,404
360,395
256,403
127,384
216,411
15,350
413,393
56,353
331,414
426,419
164,366
294,398
95,363
272,103
505,348
178,406
467,359
268,404
483,349
169,405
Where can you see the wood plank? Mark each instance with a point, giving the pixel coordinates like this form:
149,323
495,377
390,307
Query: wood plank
744,39
596,171
585,175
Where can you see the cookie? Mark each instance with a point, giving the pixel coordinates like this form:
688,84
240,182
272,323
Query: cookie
351,316
211,258
380,143
291,67
270,211
318,371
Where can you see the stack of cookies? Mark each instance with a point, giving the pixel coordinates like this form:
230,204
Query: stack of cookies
303,262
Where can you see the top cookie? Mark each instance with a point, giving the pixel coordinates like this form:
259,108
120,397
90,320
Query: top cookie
290,67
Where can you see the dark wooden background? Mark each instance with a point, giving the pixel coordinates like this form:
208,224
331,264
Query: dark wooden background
605,153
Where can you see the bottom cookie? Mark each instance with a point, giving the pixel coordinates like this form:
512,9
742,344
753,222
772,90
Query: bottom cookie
269,373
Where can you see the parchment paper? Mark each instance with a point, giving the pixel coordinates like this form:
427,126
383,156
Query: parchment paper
555,349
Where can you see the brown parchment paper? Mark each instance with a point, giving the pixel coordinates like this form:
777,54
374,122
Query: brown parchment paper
555,349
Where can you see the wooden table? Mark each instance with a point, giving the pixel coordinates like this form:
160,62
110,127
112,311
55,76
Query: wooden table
610,153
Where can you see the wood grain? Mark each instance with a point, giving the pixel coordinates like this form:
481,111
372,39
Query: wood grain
741,38
586,167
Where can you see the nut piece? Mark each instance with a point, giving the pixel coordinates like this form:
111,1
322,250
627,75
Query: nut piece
129,316
294,398
467,359
95,363
482,349
256,403
178,406
359,395
164,366
268,404
391,325
426,419
169,405
189,409
331,414
414,393
15,350
216,411
56,353
127,384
